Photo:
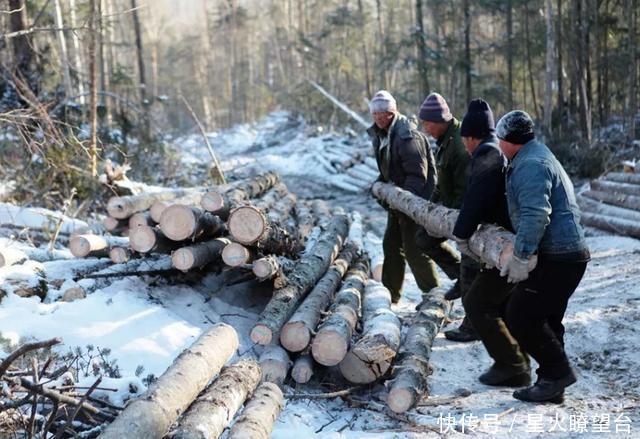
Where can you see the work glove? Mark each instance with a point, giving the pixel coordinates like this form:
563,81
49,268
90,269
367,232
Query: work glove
516,269
463,247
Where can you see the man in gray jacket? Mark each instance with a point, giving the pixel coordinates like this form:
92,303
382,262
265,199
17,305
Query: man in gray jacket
546,219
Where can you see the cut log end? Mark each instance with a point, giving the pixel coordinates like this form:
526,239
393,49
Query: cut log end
119,255
295,336
302,369
142,239
376,272
156,210
330,349
183,259
235,255
117,208
212,201
262,268
360,372
247,224
401,399
261,334
178,222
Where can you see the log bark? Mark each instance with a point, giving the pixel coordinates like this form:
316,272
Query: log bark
296,333
181,222
151,240
613,224
409,374
309,269
371,356
596,207
222,202
115,225
331,343
493,244
302,370
355,231
82,246
150,415
373,247
305,219
621,200
615,187
124,207
156,210
272,266
250,226
237,255
141,219
273,196
212,412
260,413
623,177
275,364
198,255
13,255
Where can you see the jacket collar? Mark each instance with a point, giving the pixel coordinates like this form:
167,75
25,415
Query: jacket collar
400,127
445,139
490,141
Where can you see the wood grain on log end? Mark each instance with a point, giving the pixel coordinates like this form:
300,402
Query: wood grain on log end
330,349
295,336
261,334
247,224
235,255
117,208
400,399
182,259
142,239
212,201
358,371
81,245
140,219
157,209
119,255
262,268
178,222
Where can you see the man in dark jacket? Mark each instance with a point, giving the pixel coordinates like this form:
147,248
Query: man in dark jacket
546,219
452,163
485,202
404,159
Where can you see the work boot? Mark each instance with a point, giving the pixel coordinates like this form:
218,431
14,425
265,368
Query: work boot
455,292
463,333
546,390
507,376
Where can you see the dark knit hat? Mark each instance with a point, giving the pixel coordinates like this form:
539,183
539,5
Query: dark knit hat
435,109
515,127
478,122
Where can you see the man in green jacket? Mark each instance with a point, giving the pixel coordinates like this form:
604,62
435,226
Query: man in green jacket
452,163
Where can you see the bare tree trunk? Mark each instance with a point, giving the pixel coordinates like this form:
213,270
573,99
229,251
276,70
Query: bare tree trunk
632,11
549,68
529,63
365,52
422,54
559,36
510,53
144,103
62,42
467,49
77,52
93,85
23,52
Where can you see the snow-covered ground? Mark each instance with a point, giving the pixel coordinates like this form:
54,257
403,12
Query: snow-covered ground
149,321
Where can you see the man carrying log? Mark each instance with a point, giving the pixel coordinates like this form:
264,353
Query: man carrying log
404,158
485,202
546,218
452,162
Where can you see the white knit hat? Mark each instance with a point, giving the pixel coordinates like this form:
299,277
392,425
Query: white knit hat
383,102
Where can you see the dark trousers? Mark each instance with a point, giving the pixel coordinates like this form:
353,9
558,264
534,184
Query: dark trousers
484,304
441,252
399,246
535,311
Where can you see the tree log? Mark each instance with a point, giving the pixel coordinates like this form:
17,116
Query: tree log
124,207
621,200
371,356
151,240
623,177
212,412
14,255
150,415
275,364
373,247
115,225
613,224
141,219
260,413
305,219
409,374
250,226
493,244
302,370
615,187
308,270
355,230
198,255
82,246
296,333
597,207
156,210
237,255
222,202
331,343
120,255
181,222
272,266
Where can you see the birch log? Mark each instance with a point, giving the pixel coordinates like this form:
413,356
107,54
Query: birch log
212,412
620,226
272,266
302,370
411,368
596,207
12,255
260,414
82,246
251,226
222,202
305,219
150,415
332,341
198,255
120,255
371,356
151,240
615,187
181,222
124,207
237,255
309,269
141,219
623,177
373,247
296,333
493,244
621,200
275,364
115,225
156,210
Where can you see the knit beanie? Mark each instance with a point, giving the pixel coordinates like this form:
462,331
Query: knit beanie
515,127
478,122
435,109
383,102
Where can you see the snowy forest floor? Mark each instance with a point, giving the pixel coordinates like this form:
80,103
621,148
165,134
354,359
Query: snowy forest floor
148,321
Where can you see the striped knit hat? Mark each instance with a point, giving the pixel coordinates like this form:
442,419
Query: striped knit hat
435,109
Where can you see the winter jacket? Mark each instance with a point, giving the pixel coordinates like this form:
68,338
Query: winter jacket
411,164
542,206
485,200
452,162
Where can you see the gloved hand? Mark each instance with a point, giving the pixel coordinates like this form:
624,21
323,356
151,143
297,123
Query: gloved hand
463,247
515,269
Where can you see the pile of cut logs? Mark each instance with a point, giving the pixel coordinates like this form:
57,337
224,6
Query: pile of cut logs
613,204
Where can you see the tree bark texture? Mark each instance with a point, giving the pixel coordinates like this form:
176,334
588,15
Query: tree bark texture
589,205
275,364
198,255
82,246
221,203
260,414
124,207
151,240
181,222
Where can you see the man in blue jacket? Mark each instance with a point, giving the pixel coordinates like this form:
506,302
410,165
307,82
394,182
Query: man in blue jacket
546,219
